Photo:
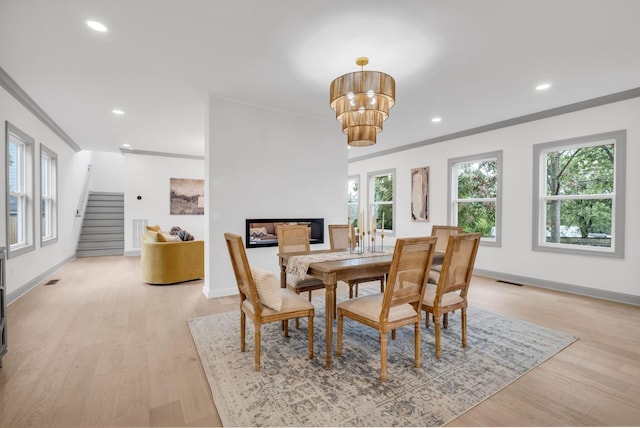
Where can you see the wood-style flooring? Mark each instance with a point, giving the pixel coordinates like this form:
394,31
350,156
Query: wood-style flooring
102,348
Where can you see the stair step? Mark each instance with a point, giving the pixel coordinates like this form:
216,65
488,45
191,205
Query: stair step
103,229
103,222
105,215
105,194
87,237
98,253
104,206
98,245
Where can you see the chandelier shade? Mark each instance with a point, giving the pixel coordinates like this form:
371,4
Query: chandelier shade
360,136
366,118
362,101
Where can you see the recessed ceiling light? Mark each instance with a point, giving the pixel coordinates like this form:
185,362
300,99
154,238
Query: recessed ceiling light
125,146
543,86
436,119
97,26
117,111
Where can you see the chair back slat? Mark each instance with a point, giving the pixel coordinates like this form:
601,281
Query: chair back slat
443,233
339,236
408,273
242,270
293,238
458,263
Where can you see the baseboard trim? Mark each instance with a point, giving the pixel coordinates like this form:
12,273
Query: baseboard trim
132,253
24,289
561,286
212,294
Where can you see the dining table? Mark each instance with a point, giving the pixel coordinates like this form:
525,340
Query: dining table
332,266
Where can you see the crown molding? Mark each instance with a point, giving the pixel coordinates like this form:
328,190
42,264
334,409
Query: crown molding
557,111
19,94
164,154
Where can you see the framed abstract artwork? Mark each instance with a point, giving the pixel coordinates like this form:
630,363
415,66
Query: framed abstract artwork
420,194
186,196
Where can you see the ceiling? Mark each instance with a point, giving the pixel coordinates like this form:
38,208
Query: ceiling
469,62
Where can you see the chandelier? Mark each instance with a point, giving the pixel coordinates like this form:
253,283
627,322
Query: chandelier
362,101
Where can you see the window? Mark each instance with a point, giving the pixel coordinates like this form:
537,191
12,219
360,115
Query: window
19,161
353,199
578,195
48,196
476,188
381,198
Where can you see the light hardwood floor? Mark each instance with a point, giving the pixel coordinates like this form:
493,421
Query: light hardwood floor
101,348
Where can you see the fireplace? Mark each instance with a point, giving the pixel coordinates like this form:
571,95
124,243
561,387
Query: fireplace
262,232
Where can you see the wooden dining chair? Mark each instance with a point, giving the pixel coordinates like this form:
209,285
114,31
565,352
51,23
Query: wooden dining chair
294,239
400,303
339,239
443,233
291,305
450,293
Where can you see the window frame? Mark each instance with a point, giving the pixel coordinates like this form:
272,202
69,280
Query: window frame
452,186
350,205
371,194
51,198
538,239
13,135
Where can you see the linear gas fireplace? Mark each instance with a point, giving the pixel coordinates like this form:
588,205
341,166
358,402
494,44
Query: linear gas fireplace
262,232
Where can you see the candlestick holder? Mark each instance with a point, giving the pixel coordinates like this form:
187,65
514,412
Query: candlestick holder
358,246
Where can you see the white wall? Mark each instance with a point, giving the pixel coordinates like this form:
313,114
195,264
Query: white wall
107,172
149,177
515,257
28,268
267,164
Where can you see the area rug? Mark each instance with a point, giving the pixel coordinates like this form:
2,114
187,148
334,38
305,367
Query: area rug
291,390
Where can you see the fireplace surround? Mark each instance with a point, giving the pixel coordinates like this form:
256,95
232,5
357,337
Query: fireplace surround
262,232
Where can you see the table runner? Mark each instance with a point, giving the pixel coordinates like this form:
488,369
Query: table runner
299,265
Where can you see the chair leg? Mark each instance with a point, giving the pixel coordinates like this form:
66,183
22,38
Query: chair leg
243,330
310,327
339,335
257,340
297,319
383,357
416,342
382,284
463,318
436,321
426,319
350,284
445,321
393,334
286,328
357,283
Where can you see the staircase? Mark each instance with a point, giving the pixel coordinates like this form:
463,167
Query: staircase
102,231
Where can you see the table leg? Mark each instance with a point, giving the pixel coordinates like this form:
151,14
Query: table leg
330,292
283,273
283,284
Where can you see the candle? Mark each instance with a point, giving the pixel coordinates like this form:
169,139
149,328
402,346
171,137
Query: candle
364,223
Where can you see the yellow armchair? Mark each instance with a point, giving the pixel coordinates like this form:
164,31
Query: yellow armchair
170,262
